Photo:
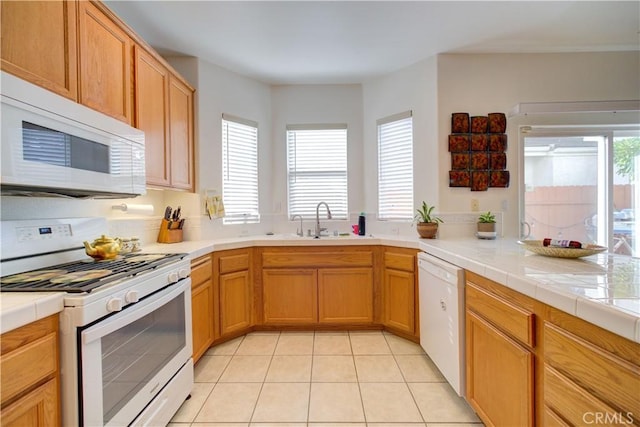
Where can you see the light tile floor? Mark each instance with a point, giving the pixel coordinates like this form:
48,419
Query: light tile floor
321,379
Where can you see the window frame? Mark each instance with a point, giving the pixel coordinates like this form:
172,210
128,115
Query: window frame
339,208
233,215
408,215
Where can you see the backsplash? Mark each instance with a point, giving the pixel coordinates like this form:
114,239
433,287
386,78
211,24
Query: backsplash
199,227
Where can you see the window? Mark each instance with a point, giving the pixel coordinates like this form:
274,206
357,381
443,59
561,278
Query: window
317,169
240,170
582,184
395,167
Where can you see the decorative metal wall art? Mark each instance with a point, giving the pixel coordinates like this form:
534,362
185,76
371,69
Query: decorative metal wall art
477,145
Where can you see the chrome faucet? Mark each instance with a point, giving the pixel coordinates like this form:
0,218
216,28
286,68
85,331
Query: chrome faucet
301,231
318,229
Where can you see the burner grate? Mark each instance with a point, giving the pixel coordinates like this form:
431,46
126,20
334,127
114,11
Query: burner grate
84,276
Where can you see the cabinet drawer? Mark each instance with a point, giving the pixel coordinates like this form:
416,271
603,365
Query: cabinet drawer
201,270
317,259
607,377
28,365
510,318
398,261
231,263
569,400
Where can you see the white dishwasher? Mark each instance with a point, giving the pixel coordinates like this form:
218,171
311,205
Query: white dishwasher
442,328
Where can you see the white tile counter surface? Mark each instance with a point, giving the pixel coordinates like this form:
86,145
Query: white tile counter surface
602,289
20,308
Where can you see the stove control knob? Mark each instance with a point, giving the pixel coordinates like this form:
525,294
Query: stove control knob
114,304
183,273
173,277
131,296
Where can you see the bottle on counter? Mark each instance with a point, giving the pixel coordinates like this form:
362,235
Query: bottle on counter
561,243
361,224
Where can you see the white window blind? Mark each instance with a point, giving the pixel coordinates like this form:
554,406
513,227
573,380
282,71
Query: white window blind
240,170
395,167
317,169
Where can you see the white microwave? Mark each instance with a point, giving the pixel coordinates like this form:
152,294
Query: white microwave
54,146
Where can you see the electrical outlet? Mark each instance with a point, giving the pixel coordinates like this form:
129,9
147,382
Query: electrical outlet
475,205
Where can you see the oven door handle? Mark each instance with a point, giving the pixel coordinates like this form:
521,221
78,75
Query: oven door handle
137,311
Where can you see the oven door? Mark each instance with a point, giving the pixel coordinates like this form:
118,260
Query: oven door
127,358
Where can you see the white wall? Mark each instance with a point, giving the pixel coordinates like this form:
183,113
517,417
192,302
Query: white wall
413,88
220,91
433,88
481,84
315,104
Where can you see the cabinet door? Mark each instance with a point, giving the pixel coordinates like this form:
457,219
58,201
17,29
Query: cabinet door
290,296
345,295
235,302
399,300
201,318
181,134
39,408
39,44
151,115
105,64
499,375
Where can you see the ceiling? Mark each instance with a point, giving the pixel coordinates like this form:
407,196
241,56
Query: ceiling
314,42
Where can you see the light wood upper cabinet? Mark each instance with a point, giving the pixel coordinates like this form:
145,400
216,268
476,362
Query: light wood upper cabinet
105,63
181,123
39,43
164,111
152,115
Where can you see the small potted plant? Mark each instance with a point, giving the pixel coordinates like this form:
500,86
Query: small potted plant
487,226
427,224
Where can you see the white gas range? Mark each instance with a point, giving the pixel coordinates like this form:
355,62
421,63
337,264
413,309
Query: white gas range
125,330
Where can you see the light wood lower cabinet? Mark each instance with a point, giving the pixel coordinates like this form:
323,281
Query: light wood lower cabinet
233,286
531,364
345,295
290,296
500,358
327,286
202,303
39,44
499,375
590,375
400,291
29,375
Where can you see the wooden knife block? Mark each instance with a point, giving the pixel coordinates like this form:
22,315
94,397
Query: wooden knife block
169,235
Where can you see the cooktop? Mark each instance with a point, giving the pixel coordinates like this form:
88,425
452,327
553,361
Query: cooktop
84,276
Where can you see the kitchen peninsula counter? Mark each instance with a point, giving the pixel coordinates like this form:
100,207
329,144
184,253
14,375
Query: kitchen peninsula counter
603,289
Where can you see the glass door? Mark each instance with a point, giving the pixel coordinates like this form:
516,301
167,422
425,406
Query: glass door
581,185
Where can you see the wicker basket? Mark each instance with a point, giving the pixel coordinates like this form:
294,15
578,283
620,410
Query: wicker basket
537,247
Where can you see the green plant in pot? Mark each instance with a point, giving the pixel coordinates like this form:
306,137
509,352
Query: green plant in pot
426,222
487,226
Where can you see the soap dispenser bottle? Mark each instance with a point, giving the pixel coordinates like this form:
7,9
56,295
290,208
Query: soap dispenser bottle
361,224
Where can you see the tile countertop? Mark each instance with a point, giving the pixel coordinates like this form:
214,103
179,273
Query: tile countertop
602,289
